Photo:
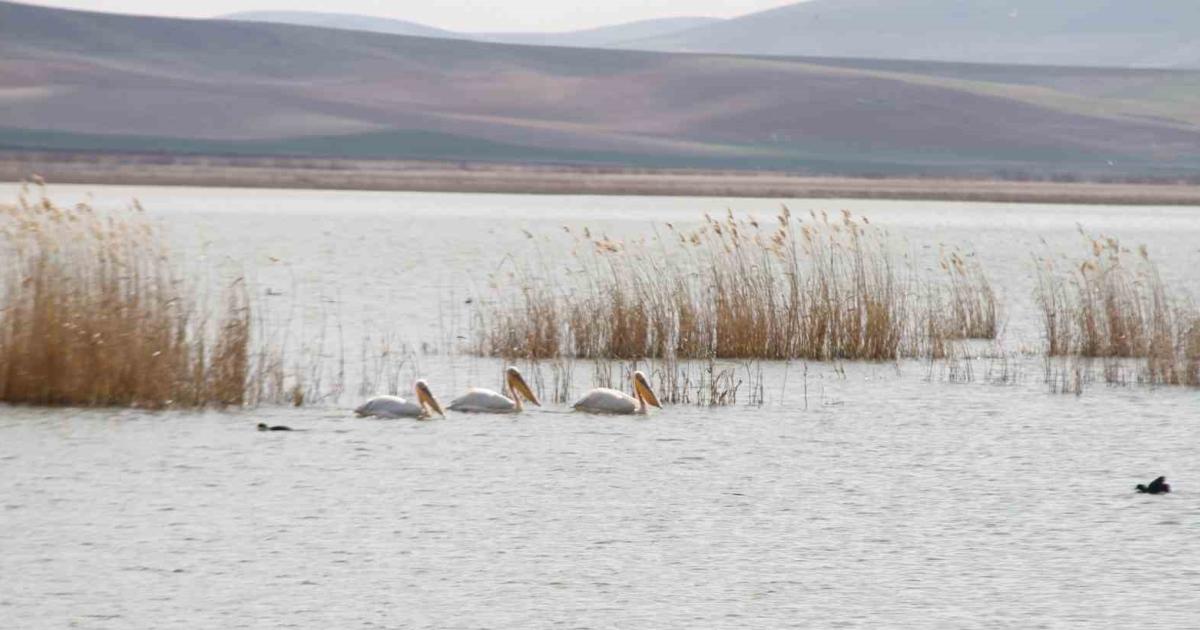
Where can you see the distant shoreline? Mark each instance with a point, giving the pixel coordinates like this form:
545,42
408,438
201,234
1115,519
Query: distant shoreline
346,174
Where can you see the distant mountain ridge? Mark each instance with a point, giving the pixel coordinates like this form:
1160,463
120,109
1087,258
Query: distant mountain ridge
614,36
345,21
602,37
1098,33
1116,33
86,81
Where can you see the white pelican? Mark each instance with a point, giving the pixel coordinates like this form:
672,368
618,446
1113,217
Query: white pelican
396,407
604,400
478,400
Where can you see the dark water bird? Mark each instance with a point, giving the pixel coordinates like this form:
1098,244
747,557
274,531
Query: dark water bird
262,426
1158,486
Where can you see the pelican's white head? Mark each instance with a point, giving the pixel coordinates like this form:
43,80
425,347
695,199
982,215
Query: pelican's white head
518,386
425,397
641,387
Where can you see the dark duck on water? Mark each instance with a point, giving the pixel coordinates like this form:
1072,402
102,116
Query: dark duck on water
264,427
1158,486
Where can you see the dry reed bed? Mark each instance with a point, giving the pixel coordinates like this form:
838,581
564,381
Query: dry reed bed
818,289
1114,305
95,310
94,313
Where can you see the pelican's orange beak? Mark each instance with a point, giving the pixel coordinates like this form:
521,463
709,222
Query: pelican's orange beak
643,389
425,397
521,388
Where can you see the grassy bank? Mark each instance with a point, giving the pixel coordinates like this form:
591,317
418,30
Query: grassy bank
346,174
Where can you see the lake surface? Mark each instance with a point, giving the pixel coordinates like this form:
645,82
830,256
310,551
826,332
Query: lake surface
857,495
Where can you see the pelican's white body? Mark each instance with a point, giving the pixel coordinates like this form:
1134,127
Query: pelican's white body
605,400
422,405
479,400
390,407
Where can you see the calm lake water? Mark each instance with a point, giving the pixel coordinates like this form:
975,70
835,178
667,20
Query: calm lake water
857,495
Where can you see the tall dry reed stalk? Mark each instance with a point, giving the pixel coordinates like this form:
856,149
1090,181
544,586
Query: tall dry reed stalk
94,314
1114,305
972,309
527,328
822,288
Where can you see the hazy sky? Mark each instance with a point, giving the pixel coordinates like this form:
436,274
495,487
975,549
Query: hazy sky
460,15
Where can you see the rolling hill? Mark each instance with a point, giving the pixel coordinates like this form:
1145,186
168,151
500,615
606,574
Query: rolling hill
345,21
1102,33
613,36
1117,33
80,81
